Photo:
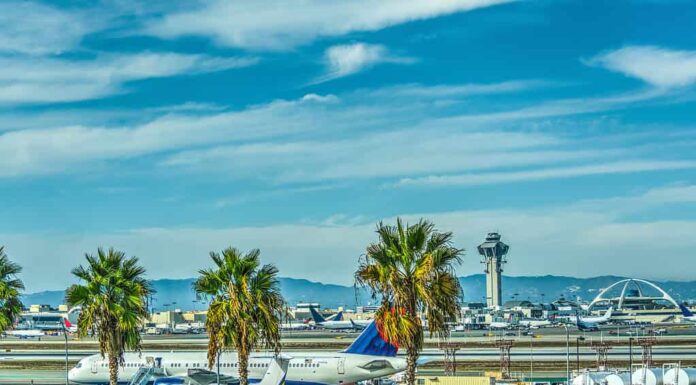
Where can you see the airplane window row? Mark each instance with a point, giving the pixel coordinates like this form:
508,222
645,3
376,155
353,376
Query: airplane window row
304,365
222,365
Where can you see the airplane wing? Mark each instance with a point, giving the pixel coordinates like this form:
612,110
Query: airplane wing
275,375
276,372
206,377
357,326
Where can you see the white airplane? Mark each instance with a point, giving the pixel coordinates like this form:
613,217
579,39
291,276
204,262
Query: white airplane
295,326
499,325
535,323
182,329
597,320
337,323
368,357
25,333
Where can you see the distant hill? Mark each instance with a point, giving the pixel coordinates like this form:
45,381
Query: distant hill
178,293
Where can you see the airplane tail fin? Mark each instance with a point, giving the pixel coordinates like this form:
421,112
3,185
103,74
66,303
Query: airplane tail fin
315,315
607,315
685,311
370,342
339,316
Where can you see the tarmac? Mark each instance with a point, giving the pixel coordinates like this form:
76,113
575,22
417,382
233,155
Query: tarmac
547,347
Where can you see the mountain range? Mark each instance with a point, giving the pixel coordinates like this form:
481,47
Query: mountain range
178,293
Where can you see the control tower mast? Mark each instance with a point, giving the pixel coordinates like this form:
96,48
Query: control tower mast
493,253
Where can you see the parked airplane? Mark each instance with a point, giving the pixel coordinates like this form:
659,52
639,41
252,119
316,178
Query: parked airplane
182,329
296,325
593,319
324,323
368,357
586,326
499,325
591,324
600,319
687,315
25,333
535,323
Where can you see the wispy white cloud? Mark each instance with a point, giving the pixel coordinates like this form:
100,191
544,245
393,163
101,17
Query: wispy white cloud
660,67
34,28
45,151
316,139
344,60
381,155
45,80
457,90
527,175
282,25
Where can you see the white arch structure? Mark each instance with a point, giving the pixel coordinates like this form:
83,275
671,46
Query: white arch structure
626,283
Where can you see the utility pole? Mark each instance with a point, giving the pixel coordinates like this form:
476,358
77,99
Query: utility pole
504,347
577,352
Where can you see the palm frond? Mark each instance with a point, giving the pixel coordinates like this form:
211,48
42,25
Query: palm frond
412,269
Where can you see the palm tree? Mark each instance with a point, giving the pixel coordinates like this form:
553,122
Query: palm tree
412,269
113,296
245,305
10,286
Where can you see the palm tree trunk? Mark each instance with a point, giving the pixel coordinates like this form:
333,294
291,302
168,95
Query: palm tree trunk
113,369
411,359
243,368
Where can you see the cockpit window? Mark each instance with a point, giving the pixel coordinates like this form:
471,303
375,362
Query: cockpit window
79,365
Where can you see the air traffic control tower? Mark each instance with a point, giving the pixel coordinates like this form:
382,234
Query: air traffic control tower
493,253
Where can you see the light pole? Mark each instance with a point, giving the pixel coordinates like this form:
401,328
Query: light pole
577,352
630,360
531,365
567,354
218,367
67,370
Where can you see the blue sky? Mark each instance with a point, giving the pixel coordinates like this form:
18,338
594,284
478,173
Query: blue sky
170,131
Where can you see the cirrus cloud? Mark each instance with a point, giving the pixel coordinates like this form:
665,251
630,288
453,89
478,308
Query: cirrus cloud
348,59
660,67
49,80
282,25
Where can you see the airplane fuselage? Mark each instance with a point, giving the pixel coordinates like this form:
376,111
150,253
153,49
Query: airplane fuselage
305,368
33,333
342,325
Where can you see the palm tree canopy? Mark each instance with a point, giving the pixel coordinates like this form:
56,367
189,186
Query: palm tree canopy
412,268
113,297
10,286
246,302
